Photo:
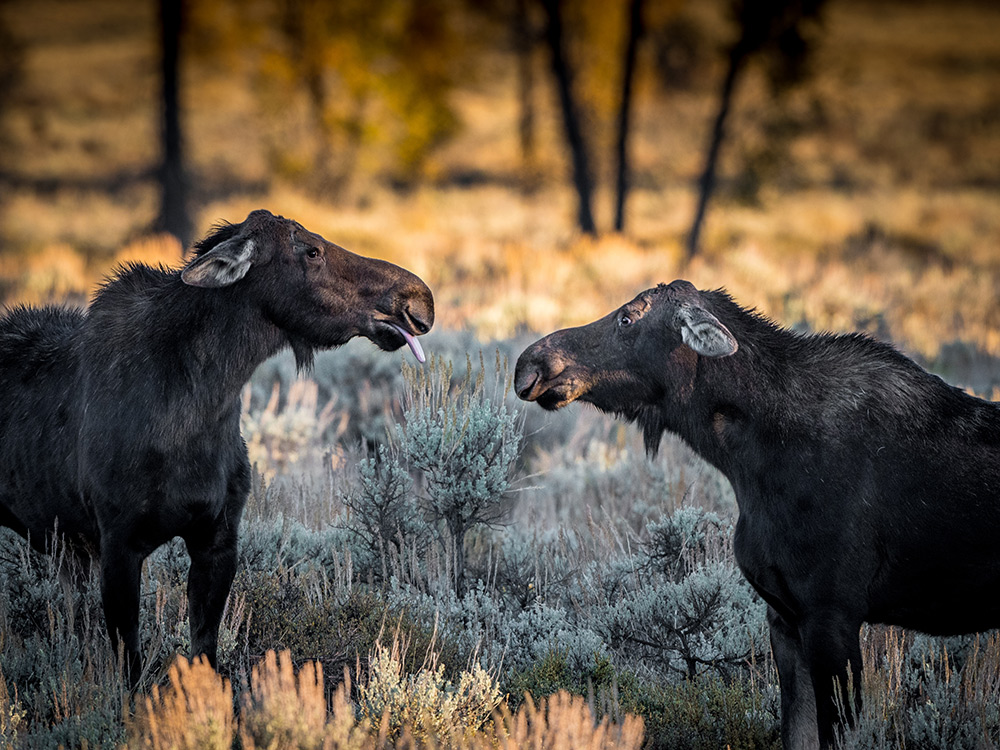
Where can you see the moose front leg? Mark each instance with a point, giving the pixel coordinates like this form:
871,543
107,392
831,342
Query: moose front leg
213,567
212,546
832,649
121,568
798,699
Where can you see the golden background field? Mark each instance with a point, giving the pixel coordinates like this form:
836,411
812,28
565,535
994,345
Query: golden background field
865,197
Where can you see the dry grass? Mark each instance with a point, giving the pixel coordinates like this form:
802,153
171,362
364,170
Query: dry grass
12,714
875,204
925,695
195,712
294,432
285,710
565,722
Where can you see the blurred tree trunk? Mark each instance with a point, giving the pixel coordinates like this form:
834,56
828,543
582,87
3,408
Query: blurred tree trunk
305,50
11,73
173,216
570,115
706,183
316,87
770,25
524,45
625,111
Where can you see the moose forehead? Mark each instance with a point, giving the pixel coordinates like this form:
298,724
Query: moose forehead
642,302
262,220
279,224
673,293
259,222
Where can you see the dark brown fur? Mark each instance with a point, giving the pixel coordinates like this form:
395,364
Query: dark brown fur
120,426
868,488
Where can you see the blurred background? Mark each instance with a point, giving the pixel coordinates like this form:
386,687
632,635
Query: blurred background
835,163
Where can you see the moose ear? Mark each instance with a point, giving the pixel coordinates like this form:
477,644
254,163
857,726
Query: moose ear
224,264
703,332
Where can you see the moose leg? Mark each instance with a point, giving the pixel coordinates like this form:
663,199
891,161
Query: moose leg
212,547
798,700
832,650
213,567
121,568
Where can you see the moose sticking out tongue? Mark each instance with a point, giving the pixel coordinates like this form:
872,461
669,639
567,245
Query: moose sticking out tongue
414,345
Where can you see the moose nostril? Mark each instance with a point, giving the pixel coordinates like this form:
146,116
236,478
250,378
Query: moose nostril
416,321
418,307
525,388
527,376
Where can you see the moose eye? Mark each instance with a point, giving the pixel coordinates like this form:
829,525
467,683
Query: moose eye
625,320
312,253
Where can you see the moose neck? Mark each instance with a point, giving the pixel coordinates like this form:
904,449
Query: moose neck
785,401
230,339
202,345
742,411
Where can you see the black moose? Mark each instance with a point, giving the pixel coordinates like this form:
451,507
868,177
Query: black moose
868,489
120,426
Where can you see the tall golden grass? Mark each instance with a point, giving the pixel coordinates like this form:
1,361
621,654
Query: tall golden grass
195,712
876,203
848,274
293,432
288,710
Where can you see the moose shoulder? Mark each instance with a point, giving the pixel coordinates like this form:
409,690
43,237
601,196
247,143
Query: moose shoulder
119,426
868,489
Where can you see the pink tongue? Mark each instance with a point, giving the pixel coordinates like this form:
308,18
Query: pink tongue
413,343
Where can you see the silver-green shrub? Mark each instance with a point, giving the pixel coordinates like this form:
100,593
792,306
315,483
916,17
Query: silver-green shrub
678,543
382,515
464,441
709,619
54,652
687,608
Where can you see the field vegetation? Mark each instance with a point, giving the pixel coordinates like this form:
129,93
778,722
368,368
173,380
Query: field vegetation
426,561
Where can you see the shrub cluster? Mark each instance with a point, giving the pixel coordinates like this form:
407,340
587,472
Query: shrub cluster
529,555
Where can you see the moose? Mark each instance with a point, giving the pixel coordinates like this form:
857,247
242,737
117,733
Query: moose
868,489
120,425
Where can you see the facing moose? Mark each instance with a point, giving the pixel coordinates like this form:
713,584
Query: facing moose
868,489
120,426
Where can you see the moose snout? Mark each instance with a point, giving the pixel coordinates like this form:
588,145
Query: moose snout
411,303
420,313
536,366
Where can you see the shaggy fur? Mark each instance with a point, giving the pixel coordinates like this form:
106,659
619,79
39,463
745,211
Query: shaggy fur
868,488
120,426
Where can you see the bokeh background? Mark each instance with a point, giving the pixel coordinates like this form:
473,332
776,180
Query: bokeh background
854,185
833,163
